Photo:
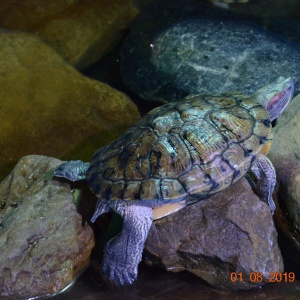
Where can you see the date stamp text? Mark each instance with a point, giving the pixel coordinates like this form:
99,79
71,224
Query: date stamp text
258,277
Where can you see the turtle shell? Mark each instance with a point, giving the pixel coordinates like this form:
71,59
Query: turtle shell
183,150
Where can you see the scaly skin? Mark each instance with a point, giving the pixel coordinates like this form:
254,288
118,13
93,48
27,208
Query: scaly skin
123,253
107,173
264,171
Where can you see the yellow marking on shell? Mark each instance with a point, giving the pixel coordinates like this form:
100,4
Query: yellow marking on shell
105,189
206,139
165,210
132,190
235,123
167,122
225,101
236,158
150,189
252,144
172,189
117,190
266,148
220,172
259,113
195,182
262,130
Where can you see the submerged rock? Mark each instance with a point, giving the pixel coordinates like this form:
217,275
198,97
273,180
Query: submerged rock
232,231
178,48
80,31
48,108
44,243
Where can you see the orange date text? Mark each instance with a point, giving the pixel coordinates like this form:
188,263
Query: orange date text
258,277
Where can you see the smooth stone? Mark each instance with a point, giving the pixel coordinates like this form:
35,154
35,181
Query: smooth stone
287,214
49,108
285,155
288,179
44,243
80,31
194,49
232,231
286,133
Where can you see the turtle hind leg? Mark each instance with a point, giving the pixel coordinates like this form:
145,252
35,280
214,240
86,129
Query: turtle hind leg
123,253
265,174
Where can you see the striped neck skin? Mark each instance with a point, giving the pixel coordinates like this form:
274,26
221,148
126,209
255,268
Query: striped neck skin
276,96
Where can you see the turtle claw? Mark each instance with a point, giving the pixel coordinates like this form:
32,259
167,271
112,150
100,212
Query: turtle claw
119,276
102,207
117,267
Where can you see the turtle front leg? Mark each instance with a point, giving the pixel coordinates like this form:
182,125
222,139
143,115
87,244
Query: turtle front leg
265,174
123,253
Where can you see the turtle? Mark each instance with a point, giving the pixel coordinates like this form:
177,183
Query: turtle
177,154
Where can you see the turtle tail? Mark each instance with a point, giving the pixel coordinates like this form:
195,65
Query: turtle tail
102,207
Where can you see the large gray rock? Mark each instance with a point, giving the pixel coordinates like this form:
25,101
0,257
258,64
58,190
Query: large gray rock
232,231
175,49
44,245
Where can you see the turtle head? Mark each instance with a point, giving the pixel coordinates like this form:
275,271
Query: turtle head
276,96
73,170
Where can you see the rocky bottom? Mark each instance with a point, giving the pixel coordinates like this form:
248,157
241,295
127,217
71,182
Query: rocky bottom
158,284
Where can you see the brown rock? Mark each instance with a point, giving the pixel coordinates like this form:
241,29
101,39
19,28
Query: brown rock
48,108
285,154
232,231
43,243
288,179
286,141
80,31
287,215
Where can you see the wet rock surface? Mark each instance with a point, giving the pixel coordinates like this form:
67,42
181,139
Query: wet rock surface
288,178
232,231
44,242
80,31
285,155
48,108
287,216
157,284
194,49
286,141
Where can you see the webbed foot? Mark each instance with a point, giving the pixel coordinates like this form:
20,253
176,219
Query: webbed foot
117,271
123,253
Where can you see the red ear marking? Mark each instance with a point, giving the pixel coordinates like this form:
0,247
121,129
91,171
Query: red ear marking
275,99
